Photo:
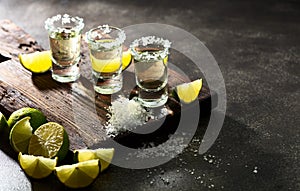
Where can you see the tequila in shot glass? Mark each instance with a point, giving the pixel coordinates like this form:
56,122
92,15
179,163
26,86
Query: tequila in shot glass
65,38
151,69
105,44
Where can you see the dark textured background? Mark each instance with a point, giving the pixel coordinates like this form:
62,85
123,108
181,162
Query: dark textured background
257,46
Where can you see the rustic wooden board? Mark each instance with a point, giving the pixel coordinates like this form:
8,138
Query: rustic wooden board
74,105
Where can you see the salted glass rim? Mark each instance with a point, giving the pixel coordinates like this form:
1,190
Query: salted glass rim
105,29
77,23
150,56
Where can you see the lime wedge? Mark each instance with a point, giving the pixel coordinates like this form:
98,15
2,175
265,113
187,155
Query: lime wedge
104,155
49,140
3,122
78,175
37,62
20,135
188,92
37,117
37,166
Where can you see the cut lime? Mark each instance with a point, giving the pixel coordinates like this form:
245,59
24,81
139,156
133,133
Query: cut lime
37,62
104,155
3,122
37,117
20,135
49,140
37,166
78,175
188,92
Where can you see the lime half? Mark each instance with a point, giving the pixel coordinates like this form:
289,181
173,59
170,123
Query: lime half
37,166
78,175
188,92
20,135
49,140
104,155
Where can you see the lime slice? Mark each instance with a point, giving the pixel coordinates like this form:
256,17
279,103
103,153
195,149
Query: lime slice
37,117
3,122
37,62
20,135
37,166
78,175
104,155
49,140
188,92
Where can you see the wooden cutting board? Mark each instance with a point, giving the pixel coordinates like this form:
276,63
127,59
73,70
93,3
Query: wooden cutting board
74,105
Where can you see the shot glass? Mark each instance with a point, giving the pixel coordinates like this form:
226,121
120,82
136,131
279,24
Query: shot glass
105,46
150,58
65,38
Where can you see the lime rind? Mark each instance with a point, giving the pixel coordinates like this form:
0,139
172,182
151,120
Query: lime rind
37,117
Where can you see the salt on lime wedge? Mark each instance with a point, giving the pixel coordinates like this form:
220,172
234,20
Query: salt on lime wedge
37,62
37,166
20,135
3,122
104,155
37,117
49,140
78,175
188,92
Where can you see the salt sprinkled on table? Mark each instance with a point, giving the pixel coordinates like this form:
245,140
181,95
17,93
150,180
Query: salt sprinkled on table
126,115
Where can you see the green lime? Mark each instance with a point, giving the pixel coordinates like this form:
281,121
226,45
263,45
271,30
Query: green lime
37,117
37,166
78,175
104,155
188,92
3,122
49,140
20,135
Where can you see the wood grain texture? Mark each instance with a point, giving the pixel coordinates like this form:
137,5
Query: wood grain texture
74,105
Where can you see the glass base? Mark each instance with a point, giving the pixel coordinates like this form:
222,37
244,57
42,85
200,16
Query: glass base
153,99
108,85
65,74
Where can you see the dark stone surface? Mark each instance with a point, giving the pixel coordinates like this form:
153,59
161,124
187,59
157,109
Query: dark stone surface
256,44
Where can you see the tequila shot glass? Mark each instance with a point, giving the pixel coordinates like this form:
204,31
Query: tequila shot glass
150,58
105,46
65,38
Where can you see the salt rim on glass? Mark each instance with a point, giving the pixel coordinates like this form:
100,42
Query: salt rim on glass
92,35
52,24
150,56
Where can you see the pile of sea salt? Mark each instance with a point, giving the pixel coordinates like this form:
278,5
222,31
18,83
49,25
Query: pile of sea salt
126,115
